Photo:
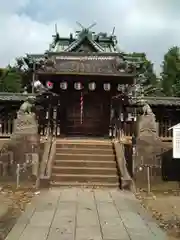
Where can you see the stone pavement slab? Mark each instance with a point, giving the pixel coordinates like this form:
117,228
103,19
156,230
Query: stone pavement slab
85,214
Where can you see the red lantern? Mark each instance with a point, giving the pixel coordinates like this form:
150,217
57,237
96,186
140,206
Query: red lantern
49,85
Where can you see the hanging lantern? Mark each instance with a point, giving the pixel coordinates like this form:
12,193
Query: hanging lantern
120,87
77,85
131,90
63,85
49,85
92,86
107,86
37,84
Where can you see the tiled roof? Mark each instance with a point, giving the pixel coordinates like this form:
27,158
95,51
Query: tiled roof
166,101
153,101
13,96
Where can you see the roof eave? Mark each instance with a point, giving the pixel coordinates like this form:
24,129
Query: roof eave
131,75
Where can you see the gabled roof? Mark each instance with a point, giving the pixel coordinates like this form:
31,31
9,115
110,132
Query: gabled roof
100,42
80,41
101,56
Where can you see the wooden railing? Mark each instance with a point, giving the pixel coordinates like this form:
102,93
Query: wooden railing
128,128
54,129
162,129
6,128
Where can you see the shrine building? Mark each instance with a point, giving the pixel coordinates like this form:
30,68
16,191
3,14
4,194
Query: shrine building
91,84
86,72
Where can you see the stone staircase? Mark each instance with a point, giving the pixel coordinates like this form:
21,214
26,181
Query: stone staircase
88,163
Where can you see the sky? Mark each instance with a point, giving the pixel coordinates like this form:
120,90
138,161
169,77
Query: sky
150,26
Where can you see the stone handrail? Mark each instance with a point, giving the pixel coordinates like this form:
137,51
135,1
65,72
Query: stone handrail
126,180
47,162
45,156
51,158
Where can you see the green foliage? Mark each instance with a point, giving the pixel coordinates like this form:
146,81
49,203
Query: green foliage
147,77
15,78
149,74
10,80
171,72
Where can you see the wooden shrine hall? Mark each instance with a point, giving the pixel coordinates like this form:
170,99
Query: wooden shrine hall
85,72
89,91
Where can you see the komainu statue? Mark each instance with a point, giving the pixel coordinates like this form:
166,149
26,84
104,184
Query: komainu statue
148,142
25,135
24,145
147,109
27,106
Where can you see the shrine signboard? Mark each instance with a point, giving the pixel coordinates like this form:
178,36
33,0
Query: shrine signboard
176,141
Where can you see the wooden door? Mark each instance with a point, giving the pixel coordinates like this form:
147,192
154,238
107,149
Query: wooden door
89,119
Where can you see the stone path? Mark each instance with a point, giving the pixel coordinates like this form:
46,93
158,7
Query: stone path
84,214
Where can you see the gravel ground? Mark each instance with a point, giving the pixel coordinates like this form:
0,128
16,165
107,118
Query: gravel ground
165,208
16,201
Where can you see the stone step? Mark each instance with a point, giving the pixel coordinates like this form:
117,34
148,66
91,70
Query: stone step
84,140
85,184
85,178
84,145
84,170
93,151
87,164
91,157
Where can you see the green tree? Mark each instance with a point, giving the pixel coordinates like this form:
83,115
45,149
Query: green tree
150,78
15,78
10,80
147,78
25,68
171,72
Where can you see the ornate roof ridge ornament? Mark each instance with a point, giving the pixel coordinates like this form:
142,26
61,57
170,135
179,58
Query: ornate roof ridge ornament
84,30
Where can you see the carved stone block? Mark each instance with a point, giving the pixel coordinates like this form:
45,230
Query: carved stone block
148,143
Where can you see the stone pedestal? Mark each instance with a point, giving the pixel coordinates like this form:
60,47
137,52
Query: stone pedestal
25,141
146,125
148,143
